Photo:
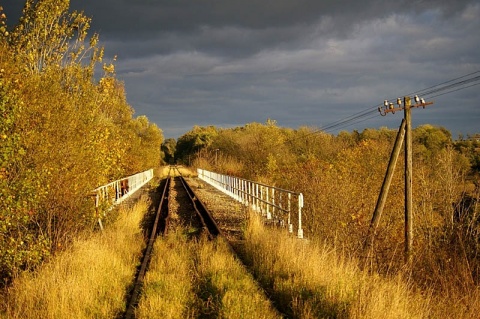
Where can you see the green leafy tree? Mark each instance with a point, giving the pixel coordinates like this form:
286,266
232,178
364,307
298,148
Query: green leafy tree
168,148
471,149
192,143
430,140
145,142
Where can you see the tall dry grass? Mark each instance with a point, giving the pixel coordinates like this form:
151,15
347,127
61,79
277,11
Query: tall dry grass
168,290
199,279
226,289
309,280
88,280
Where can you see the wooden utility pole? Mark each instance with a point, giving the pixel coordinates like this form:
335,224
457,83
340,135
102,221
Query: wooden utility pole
408,179
382,197
405,132
216,155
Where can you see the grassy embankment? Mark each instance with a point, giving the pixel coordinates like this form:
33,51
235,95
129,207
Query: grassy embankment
187,279
310,280
88,280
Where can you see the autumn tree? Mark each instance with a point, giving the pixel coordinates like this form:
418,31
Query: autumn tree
21,244
49,35
142,136
62,134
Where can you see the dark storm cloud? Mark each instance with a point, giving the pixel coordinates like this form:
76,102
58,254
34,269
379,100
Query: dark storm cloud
300,62
237,27
125,16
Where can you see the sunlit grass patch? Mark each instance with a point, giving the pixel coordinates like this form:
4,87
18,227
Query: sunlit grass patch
309,280
226,288
89,280
168,291
199,278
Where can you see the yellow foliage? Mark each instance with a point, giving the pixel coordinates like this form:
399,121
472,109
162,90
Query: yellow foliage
70,134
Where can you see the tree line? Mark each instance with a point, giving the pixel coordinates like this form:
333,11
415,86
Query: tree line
340,177
65,129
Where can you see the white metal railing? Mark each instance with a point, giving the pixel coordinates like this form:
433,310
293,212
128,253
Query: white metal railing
280,205
117,191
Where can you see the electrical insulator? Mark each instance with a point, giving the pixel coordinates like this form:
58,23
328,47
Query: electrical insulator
399,101
385,103
417,99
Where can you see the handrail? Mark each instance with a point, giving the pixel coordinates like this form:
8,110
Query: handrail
274,203
117,191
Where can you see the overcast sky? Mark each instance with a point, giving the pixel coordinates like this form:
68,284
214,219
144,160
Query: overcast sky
299,62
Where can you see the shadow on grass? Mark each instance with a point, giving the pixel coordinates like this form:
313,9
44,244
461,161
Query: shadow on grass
155,195
210,297
294,300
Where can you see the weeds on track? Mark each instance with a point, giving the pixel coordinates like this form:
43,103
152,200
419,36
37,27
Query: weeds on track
199,279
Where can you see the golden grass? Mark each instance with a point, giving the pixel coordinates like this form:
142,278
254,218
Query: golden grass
163,171
200,278
89,280
456,304
226,288
186,172
191,279
167,290
308,280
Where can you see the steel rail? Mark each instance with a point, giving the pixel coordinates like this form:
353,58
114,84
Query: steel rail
159,226
202,212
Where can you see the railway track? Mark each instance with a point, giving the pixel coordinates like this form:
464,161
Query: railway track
193,211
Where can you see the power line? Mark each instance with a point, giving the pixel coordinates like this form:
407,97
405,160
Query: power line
466,87
456,84
431,87
441,89
436,90
348,122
